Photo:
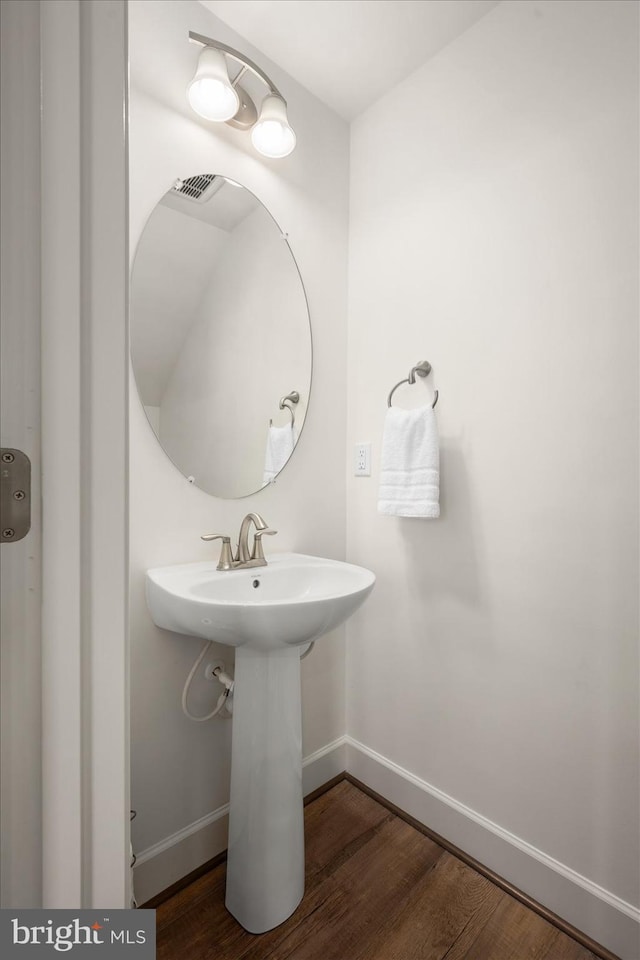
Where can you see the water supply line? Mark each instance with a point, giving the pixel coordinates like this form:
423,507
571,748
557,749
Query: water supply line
223,699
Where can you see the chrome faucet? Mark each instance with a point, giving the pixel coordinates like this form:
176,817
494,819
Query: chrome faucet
243,558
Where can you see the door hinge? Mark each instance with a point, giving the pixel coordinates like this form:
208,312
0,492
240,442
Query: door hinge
15,495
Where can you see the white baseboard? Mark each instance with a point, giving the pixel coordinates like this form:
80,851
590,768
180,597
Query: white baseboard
164,863
323,765
590,908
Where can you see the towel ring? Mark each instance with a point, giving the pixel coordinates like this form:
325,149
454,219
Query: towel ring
421,369
291,398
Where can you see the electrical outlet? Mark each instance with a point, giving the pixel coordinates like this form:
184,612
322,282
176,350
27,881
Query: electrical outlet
362,460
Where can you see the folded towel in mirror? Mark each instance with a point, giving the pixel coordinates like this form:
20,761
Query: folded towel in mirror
280,444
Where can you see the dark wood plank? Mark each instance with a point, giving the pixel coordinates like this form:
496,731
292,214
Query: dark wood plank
512,931
336,826
438,911
208,932
187,898
565,948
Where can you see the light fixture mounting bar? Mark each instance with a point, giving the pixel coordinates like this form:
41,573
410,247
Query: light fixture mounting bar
239,58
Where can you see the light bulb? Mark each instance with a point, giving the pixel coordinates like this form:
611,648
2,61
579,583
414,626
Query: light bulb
272,136
210,92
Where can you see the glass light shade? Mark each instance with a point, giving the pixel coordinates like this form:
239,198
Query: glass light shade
272,136
210,92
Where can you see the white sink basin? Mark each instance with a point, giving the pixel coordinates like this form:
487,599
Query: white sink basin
291,601
267,613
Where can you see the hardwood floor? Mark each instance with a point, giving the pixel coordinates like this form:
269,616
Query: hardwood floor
376,889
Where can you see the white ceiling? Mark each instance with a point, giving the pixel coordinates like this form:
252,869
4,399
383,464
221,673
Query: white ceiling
349,52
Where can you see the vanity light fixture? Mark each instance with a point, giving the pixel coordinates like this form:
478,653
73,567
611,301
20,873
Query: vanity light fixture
214,96
211,93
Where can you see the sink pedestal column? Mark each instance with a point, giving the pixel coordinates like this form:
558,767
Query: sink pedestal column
265,865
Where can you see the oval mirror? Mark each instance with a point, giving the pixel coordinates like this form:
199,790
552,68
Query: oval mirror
220,335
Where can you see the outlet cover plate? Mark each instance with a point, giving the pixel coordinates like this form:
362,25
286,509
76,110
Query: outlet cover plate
362,460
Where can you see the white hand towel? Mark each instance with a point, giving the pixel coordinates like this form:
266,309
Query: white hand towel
410,464
280,443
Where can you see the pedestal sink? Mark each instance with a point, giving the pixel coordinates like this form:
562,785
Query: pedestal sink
269,614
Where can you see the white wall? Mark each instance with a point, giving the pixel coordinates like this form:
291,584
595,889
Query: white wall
180,769
493,232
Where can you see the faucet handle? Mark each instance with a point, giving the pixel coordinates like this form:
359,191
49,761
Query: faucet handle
226,561
258,552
